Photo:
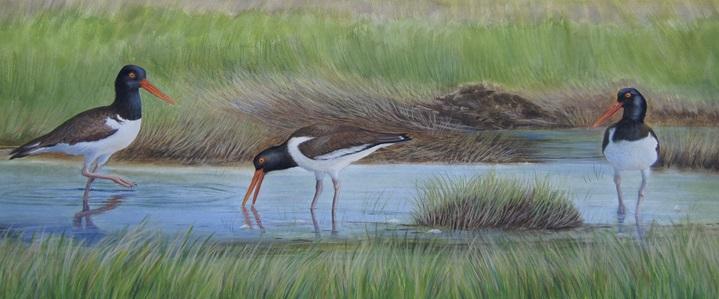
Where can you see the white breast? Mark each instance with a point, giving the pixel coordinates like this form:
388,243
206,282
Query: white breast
127,131
631,155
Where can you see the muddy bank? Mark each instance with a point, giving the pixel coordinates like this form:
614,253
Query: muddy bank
480,107
489,108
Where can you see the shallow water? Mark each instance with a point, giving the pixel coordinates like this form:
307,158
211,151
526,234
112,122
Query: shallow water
47,196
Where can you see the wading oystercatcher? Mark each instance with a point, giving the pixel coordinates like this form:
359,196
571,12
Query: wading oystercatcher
322,149
98,133
629,144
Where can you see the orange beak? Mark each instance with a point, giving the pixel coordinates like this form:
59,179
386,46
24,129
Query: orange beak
607,115
156,91
255,184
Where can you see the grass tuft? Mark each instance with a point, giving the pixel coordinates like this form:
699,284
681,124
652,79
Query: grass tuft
491,201
689,147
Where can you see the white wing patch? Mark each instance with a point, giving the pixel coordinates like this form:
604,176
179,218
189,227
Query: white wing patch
343,152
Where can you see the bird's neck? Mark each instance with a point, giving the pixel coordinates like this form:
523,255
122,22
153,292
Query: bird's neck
635,112
285,157
127,103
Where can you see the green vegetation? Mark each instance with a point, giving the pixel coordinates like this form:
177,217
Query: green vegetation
689,148
491,201
668,263
215,60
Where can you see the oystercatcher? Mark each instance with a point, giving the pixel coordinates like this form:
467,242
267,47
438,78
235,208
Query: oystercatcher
322,149
629,144
98,133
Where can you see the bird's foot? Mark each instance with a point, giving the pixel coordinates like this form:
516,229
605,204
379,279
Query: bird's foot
123,181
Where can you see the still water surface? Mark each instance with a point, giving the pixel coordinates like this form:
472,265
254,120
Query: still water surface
46,196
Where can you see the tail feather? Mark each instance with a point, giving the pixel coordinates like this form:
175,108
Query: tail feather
24,150
393,138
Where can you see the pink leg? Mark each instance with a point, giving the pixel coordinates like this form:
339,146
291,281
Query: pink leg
336,183
116,179
618,183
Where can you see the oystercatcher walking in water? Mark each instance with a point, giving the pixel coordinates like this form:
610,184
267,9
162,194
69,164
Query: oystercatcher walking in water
629,144
98,133
322,149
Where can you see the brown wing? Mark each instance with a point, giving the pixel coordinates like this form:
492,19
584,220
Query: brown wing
333,142
87,126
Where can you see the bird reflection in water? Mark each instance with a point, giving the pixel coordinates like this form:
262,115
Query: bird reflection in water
250,224
248,220
86,213
639,230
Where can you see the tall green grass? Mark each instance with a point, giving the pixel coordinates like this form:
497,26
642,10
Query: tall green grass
677,263
59,61
491,201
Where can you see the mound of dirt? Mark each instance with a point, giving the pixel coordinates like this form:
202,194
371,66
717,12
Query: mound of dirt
480,107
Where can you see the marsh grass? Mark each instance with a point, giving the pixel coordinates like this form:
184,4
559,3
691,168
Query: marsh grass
490,201
60,58
673,263
696,148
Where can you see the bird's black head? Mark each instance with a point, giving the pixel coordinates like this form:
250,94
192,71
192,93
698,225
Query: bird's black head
129,77
633,102
274,158
271,159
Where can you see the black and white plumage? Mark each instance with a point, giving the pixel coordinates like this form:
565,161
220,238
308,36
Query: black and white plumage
98,133
629,144
322,149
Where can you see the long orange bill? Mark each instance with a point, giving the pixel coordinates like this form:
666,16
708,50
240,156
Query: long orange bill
607,115
255,184
156,91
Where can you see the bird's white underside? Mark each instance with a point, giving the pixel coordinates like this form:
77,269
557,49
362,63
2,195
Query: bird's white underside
127,131
631,155
331,163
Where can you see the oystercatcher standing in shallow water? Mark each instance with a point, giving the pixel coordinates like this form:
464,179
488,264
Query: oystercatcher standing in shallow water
629,144
98,133
322,149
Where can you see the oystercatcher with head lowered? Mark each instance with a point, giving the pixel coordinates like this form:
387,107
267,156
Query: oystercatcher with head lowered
322,149
98,133
629,144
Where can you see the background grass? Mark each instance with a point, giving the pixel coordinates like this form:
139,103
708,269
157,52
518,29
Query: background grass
690,148
490,201
61,58
667,263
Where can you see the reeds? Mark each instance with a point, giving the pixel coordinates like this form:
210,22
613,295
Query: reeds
696,148
490,201
668,263
61,58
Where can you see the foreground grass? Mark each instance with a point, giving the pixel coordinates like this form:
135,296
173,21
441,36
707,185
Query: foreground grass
223,66
491,201
677,263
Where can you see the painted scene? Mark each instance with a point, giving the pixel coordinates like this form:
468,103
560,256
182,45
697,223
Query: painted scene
359,149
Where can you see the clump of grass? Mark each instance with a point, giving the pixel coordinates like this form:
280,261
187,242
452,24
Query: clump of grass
490,201
689,147
678,263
